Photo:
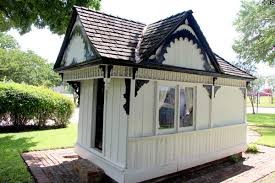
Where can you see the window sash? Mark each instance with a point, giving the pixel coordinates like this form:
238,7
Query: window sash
176,128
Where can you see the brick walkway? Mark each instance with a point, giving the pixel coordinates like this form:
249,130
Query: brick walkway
52,165
56,166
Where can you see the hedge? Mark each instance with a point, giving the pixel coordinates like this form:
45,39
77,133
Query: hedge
22,104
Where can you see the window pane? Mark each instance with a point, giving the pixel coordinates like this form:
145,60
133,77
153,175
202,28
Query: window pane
166,107
186,107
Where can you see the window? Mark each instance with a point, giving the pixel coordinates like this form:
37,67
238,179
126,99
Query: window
175,108
186,107
166,107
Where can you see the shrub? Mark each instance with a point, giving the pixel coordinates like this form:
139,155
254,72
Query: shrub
21,104
252,148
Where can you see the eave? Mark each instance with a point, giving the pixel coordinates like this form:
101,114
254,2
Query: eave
148,65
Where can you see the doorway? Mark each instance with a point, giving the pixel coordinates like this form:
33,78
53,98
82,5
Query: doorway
99,114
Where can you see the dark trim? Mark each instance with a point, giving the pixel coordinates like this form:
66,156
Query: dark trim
216,88
163,67
153,49
214,80
135,69
103,68
208,88
66,40
196,28
181,34
234,66
243,90
139,84
76,86
126,95
109,68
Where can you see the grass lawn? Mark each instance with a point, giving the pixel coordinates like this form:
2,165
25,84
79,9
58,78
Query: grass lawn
265,125
12,167
261,119
265,101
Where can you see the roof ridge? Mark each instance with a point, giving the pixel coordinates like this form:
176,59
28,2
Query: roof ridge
88,9
232,64
182,13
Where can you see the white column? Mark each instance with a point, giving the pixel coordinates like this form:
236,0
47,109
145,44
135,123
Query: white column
131,112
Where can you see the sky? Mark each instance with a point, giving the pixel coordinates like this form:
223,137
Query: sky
215,18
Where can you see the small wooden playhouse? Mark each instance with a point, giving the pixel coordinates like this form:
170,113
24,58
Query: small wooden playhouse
154,99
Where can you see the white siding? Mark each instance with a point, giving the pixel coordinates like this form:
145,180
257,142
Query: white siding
149,157
183,53
203,108
116,123
85,113
142,123
78,46
228,106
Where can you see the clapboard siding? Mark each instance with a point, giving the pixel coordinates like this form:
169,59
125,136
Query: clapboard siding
182,148
143,115
228,106
85,113
203,108
116,123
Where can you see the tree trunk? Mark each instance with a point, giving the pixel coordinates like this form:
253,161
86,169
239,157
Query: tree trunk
252,103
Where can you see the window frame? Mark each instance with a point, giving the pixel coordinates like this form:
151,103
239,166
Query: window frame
187,128
170,130
177,86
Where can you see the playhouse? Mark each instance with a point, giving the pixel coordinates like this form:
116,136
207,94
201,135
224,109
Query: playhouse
154,99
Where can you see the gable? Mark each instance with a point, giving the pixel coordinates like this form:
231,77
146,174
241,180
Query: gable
183,48
78,48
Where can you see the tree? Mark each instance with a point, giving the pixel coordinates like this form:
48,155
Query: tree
271,82
254,87
255,23
7,41
55,14
26,67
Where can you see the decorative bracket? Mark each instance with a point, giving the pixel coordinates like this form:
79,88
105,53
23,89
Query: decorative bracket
76,86
216,88
243,90
139,84
126,95
214,80
209,90
135,69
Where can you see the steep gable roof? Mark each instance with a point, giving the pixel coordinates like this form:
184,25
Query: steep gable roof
121,40
113,37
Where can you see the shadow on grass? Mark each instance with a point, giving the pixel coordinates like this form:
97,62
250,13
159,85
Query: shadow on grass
11,164
11,143
27,128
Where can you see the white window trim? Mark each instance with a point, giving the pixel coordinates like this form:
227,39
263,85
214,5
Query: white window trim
177,128
170,130
187,128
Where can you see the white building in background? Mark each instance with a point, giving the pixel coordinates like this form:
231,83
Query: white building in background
154,99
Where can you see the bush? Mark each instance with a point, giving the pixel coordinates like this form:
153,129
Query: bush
21,104
252,148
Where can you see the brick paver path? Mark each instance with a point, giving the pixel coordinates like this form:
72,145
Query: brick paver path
56,166
52,165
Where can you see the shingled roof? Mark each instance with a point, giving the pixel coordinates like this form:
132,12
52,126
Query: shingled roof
120,39
230,69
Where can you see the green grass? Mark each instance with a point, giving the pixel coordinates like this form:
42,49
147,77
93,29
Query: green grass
265,125
267,120
265,101
267,136
12,167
